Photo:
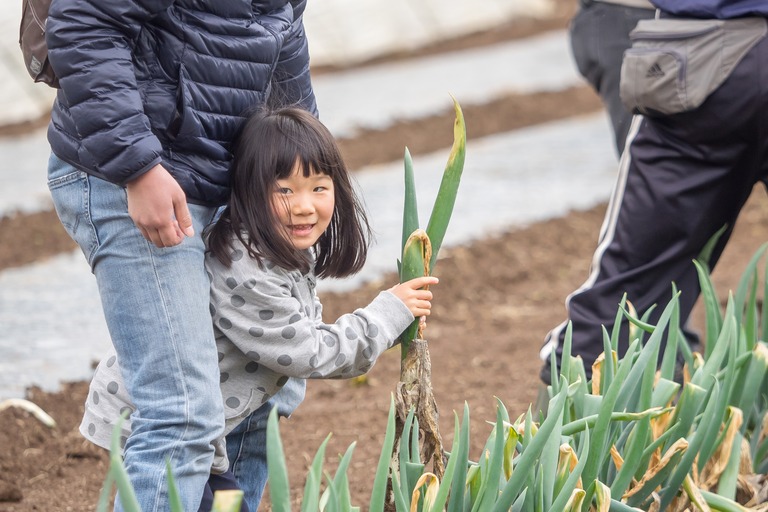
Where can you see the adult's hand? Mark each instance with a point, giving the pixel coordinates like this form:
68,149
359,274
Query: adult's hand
158,207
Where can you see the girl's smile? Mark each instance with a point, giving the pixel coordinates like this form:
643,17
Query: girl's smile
304,206
302,229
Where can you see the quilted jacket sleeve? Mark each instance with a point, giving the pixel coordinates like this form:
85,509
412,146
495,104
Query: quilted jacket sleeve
90,48
292,77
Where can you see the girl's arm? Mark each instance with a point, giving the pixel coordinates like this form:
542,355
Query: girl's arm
269,322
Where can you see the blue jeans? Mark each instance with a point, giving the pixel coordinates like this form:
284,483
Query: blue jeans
247,442
247,453
155,301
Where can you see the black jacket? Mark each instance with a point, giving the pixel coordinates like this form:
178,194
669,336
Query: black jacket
162,81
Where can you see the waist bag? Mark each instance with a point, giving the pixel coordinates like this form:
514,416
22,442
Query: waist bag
34,14
675,64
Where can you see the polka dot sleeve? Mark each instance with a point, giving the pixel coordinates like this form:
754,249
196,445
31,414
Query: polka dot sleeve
273,318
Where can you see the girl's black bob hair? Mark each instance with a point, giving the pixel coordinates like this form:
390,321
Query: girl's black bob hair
268,146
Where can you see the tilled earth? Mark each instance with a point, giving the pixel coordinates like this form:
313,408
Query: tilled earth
496,300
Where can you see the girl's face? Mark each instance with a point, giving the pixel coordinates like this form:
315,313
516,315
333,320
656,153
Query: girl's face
304,206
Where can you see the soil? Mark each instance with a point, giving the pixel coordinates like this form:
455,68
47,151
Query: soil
496,300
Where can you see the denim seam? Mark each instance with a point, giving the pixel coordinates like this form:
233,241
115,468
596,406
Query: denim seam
63,180
185,392
95,243
235,464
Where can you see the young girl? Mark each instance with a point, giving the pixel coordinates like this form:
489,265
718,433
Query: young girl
292,217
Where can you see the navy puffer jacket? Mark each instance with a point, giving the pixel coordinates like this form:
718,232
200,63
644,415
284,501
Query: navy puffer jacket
161,81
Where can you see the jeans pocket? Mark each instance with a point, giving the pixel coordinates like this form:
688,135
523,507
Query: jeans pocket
70,191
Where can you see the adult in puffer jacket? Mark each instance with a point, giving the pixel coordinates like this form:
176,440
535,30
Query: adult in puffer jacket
152,94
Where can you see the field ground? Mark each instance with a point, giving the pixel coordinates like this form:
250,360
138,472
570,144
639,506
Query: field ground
496,300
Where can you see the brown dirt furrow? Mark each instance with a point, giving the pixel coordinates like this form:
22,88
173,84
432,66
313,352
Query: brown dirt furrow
44,237
496,300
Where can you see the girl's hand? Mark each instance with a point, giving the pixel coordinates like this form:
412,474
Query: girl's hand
414,296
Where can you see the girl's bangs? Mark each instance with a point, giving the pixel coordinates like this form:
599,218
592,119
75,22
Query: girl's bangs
310,160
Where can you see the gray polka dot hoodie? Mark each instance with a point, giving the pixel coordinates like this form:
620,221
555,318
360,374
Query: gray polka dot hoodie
269,328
